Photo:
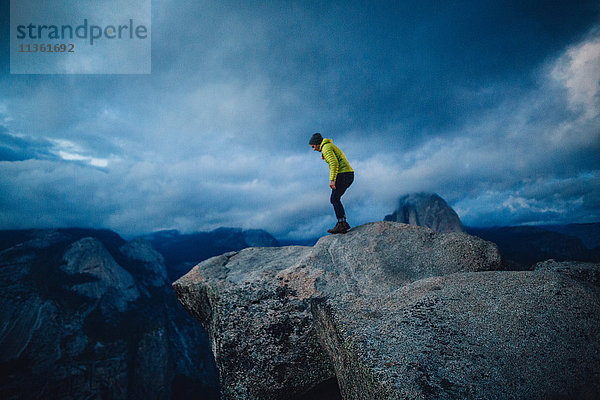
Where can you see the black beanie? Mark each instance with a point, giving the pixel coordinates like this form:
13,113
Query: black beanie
315,139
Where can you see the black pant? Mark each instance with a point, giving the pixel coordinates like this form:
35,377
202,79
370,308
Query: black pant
342,182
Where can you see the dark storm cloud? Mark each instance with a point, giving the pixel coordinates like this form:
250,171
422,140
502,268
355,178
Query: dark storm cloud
416,64
490,104
14,148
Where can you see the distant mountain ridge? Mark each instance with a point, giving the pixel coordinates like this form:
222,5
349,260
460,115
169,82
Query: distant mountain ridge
523,246
183,251
588,233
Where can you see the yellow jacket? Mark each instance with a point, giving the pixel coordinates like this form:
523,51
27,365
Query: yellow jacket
335,158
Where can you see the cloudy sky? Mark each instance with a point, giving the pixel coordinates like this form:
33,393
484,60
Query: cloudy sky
494,105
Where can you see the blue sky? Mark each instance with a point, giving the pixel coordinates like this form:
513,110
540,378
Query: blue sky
494,105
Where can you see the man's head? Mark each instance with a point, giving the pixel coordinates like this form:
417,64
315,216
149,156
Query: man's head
315,141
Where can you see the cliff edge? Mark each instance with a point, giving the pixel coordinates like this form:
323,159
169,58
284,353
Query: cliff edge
395,311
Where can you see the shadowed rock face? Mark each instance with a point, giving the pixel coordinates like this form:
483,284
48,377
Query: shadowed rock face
84,314
261,328
259,304
426,209
154,263
88,257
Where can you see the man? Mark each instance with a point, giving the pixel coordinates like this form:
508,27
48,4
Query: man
341,176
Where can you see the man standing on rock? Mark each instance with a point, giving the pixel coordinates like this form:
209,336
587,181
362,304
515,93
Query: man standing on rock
341,176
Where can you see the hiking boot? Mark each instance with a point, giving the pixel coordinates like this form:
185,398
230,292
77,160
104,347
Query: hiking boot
346,225
338,228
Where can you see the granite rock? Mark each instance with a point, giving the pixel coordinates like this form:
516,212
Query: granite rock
82,317
395,311
581,271
99,273
258,304
484,335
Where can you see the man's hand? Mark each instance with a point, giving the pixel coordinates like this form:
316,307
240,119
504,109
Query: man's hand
332,184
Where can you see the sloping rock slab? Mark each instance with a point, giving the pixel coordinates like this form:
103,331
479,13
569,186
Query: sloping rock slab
487,335
256,303
383,256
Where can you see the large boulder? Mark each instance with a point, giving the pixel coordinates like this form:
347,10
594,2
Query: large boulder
397,312
484,335
255,305
258,304
426,209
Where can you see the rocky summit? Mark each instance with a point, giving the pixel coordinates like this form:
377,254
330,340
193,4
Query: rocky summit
395,311
282,320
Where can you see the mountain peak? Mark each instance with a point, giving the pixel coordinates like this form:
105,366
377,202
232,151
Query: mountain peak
426,209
